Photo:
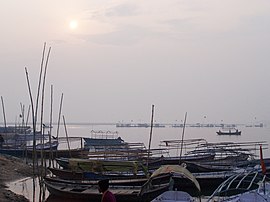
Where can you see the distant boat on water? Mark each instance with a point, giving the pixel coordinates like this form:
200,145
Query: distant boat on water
229,131
103,138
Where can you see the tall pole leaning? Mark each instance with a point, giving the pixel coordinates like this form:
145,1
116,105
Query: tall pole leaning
150,137
4,114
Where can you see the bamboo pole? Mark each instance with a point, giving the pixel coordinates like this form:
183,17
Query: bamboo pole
59,117
4,114
66,135
24,131
50,133
182,139
37,100
150,138
42,109
27,117
39,83
34,131
34,115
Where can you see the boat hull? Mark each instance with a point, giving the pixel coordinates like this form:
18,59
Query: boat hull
237,132
90,192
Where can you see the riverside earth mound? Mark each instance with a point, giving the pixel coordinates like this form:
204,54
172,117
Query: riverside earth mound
11,169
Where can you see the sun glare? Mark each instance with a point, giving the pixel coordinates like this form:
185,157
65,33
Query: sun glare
73,24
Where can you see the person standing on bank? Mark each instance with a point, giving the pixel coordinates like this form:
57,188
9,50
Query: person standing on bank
103,187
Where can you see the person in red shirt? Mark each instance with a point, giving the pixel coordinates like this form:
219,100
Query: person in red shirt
103,187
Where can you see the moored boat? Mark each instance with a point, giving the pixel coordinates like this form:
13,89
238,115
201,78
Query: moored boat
113,182
160,181
86,175
103,138
101,166
230,131
64,153
86,192
209,180
242,187
24,151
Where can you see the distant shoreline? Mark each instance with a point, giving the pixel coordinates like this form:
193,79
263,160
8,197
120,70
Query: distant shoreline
115,123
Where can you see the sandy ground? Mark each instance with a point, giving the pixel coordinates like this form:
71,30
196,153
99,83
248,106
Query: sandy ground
11,169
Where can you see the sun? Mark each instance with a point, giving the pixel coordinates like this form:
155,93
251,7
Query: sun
73,24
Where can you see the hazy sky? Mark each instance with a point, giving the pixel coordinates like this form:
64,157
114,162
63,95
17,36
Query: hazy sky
204,57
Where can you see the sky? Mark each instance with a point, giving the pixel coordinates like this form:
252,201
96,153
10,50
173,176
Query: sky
113,60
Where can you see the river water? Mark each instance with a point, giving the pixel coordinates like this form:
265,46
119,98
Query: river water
133,134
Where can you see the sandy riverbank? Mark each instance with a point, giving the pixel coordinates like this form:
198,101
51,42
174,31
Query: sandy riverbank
11,169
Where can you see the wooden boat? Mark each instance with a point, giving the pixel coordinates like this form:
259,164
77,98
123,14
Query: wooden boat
154,163
23,138
103,138
28,150
84,175
64,153
113,182
203,167
135,151
230,131
259,195
15,129
101,166
190,146
227,158
47,150
170,177
18,152
67,174
46,146
209,181
18,136
90,192
230,153
232,188
159,182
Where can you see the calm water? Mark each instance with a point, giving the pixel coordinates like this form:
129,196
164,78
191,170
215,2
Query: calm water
142,135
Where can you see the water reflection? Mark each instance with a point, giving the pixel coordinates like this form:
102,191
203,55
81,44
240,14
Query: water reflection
25,187
30,188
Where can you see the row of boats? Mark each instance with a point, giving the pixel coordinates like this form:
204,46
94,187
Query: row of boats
206,171
173,178
77,179
16,143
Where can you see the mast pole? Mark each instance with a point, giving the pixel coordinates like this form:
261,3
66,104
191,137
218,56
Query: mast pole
67,135
182,140
4,114
50,133
150,138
